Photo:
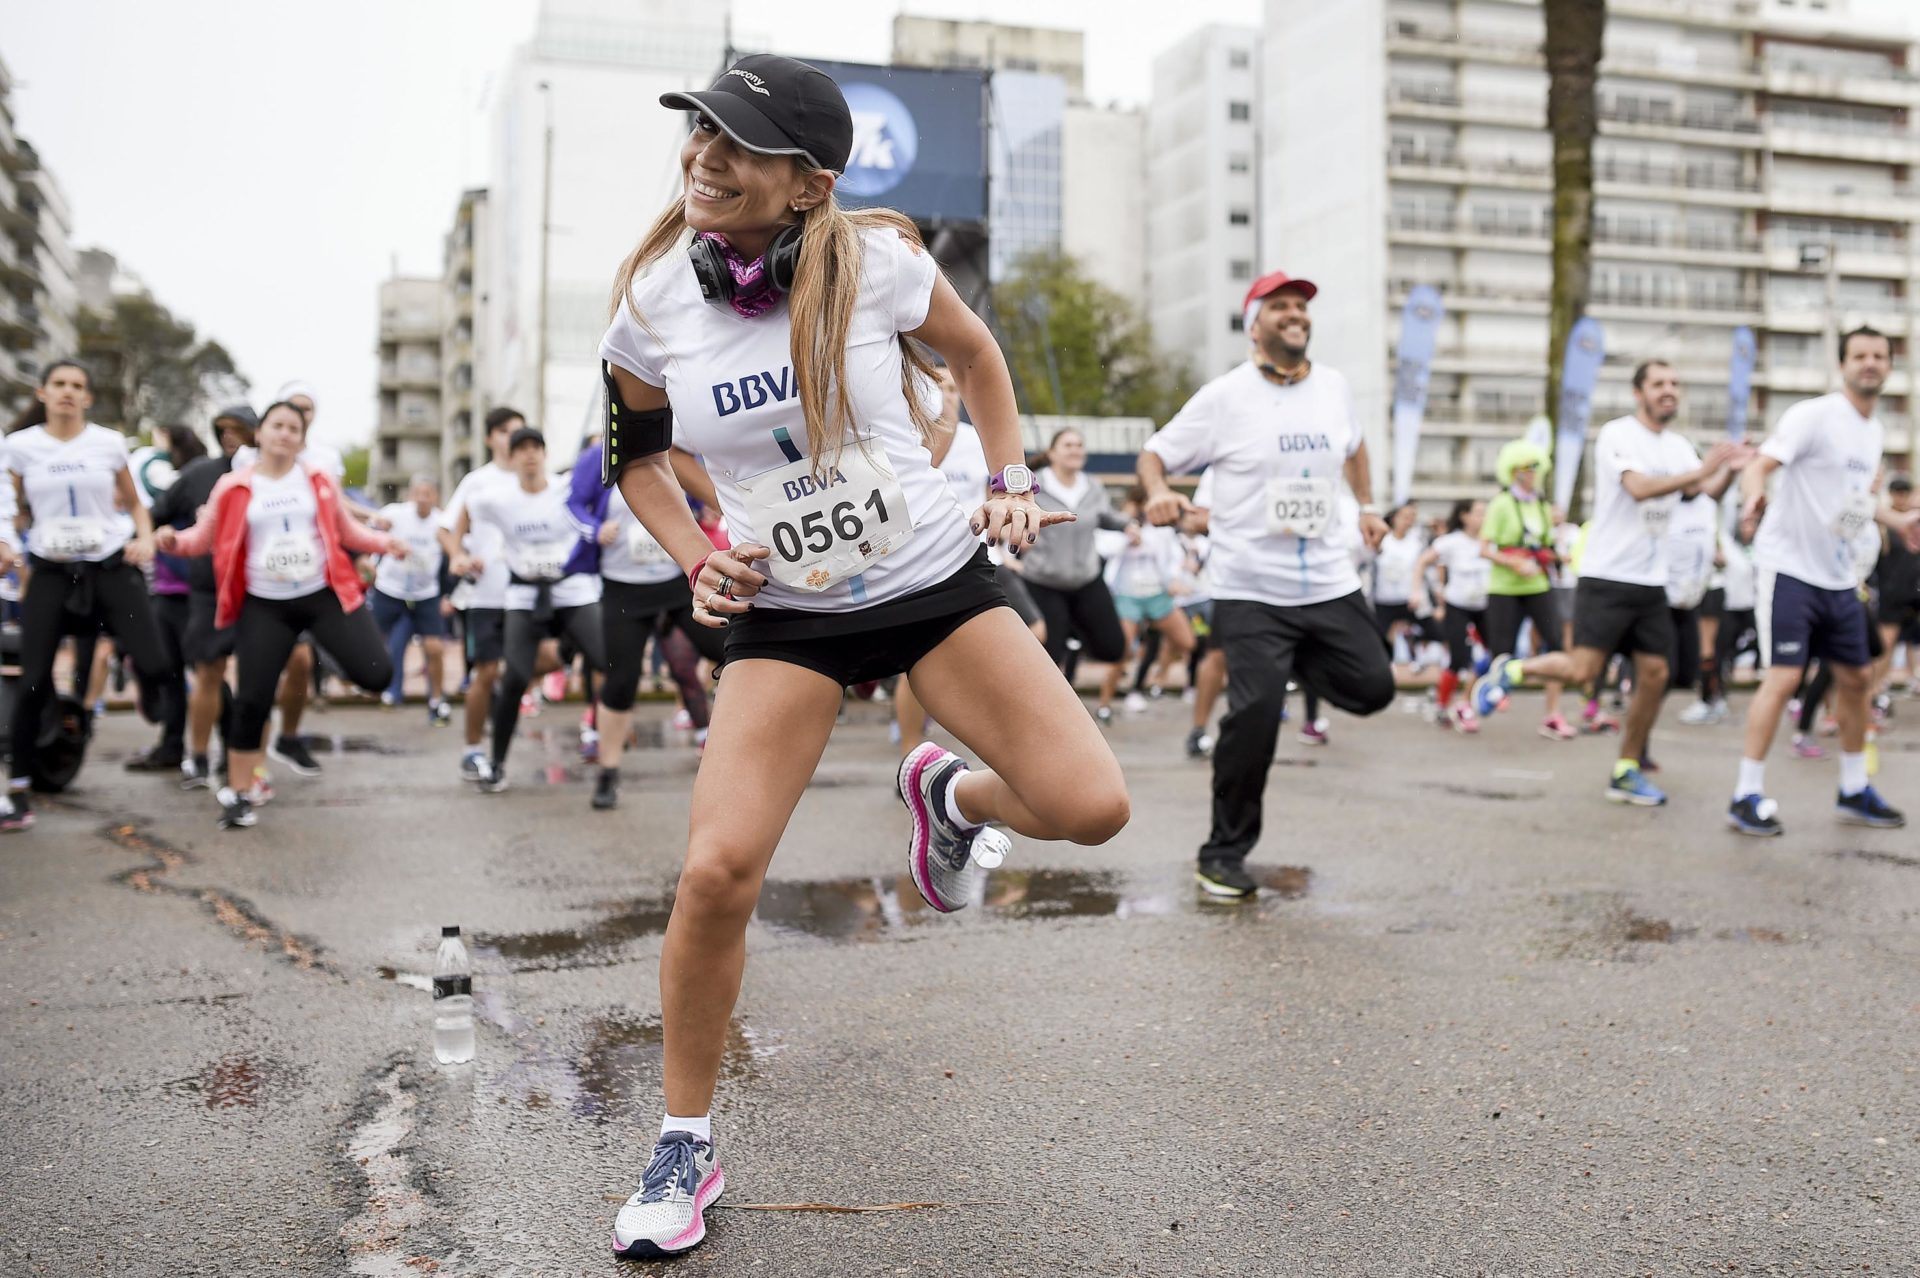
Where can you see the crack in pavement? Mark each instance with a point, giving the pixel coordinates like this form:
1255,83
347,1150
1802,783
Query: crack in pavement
236,915
389,1237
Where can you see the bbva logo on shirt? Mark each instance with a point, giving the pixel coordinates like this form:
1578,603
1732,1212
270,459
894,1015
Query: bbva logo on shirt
1305,444
752,391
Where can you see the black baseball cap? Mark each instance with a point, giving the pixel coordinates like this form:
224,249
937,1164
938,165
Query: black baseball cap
777,106
523,436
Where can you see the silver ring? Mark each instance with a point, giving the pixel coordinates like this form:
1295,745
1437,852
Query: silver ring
708,605
726,585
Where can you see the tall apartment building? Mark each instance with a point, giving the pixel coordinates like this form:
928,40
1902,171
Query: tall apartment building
38,297
407,433
1203,233
463,300
1103,196
1755,157
945,42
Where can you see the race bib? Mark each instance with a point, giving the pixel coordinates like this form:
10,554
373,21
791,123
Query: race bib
291,557
824,530
1299,507
1396,576
1656,516
1855,514
66,539
541,561
643,550
1468,584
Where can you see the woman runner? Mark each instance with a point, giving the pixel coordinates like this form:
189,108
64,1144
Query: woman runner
851,558
1064,575
1517,535
1462,610
280,542
87,538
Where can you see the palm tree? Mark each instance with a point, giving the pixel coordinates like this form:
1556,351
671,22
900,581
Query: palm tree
1575,31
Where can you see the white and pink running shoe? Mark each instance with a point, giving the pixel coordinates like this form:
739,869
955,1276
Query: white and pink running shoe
949,862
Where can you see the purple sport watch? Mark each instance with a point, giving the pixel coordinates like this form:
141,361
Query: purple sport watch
1014,479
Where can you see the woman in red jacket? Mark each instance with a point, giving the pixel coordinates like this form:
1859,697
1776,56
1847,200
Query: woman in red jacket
280,543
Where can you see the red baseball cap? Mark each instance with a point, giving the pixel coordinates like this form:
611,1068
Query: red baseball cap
1273,283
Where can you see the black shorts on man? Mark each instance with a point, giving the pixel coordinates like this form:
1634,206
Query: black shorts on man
1619,616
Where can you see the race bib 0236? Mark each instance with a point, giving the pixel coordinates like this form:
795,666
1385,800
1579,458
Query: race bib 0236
826,528
1299,506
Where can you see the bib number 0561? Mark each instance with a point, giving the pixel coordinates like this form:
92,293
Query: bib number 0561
816,530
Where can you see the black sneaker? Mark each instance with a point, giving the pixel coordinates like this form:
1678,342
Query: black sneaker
1754,814
1225,879
236,812
1868,808
160,758
195,774
16,811
293,752
606,791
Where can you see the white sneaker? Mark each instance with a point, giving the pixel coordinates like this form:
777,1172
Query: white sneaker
1135,703
1700,712
666,1215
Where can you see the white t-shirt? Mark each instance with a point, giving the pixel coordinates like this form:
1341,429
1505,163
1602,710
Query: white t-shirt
538,536
1148,569
1276,454
285,556
1468,571
417,576
1823,497
1627,541
1742,577
483,540
731,385
965,467
1393,567
1691,535
318,458
634,556
70,491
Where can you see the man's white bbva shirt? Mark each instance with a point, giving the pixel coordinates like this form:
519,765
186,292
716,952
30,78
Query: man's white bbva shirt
1823,496
1627,541
1252,432
416,577
735,402
484,541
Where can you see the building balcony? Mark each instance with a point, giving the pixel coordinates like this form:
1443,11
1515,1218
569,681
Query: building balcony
1862,141
397,326
1874,258
1889,316
1630,242
1710,126
1899,203
410,377
1799,80
1682,184
393,426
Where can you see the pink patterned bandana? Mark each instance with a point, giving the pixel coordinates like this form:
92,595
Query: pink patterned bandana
754,292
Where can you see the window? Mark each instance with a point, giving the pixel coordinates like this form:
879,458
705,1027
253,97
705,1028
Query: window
1239,111
1239,59
1239,162
1240,269
1237,323
1239,217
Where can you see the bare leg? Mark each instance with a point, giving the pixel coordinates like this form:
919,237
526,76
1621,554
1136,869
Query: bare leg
1650,675
910,715
436,650
768,733
1110,682
1850,694
479,698
1768,704
203,710
1576,665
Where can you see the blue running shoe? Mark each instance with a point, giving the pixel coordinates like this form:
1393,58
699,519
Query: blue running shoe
1756,815
1489,691
1633,787
666,1216
1868,808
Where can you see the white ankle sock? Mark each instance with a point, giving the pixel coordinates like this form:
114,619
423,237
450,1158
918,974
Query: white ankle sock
953,806
1753,778
1853,773
701,1126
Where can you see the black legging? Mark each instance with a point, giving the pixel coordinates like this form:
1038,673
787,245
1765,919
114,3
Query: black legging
1684,671
1506,612
1459,644
113,594
1085,613
631,614
264,638
1738,632
170,614
524,633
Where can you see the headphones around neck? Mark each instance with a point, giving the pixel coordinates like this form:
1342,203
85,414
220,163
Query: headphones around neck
710,267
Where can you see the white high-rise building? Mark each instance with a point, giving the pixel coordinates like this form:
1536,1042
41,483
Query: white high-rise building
945,42
464,285
590,80
407,436
1744,145
1103,196
38,296
1203,235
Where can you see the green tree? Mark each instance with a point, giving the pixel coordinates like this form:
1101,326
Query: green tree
1575,32
1077,347
356,461
150,368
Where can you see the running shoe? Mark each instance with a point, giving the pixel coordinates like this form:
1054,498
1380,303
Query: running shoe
439,714
388,700
293,752
1315,733
606,791
948,861
589,746
158,759
1633,787
529,706
16,811
1104,714
1135,703
1806,747
666,1215
260,793
492,778
236,810
1829,726
1463,719
1227,879
554,686
1489,691
472,762
1868,808
1699,713
195,774
1756,815
1556,728
1199,744
1188,696
682,721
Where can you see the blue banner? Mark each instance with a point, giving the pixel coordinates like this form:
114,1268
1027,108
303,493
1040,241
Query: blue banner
919,141
1586,350
1740,382
1419,329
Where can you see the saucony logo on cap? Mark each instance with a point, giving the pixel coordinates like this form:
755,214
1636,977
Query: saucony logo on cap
754,82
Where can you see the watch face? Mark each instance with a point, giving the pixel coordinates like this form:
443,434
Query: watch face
1016,479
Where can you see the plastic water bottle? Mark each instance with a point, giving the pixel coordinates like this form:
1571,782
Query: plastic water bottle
452,1000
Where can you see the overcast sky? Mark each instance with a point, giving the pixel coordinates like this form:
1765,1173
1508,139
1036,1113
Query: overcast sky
263,166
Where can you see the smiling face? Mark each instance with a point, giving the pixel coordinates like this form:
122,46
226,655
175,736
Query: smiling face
67,393
742,194
1282,328
1658,394
282,434
1068,453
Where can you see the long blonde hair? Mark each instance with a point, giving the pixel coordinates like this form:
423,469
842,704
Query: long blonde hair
826,288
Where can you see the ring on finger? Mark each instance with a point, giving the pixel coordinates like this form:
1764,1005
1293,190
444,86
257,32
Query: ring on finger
708,605
726,585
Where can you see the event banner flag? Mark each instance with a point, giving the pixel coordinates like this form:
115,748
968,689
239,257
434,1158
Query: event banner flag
1740,382
1586,349
1419,328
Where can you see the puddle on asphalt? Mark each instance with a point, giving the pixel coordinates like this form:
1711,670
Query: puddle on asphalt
889,907
1603,926
1476,792
236,1081
339,743
619,1072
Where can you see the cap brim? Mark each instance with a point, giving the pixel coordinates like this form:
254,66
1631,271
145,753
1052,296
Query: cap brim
739,120
1307,289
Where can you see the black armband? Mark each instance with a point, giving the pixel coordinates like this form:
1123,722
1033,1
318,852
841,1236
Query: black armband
631,434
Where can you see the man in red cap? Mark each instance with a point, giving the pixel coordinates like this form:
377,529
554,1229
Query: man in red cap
1281,437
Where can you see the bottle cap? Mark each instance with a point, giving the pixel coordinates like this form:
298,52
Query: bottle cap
450,930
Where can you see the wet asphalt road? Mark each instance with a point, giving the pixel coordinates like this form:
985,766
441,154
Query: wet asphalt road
1486,1023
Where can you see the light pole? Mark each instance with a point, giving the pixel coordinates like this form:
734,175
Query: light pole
546,228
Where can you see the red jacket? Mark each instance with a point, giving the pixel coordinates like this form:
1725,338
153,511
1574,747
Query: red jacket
221,528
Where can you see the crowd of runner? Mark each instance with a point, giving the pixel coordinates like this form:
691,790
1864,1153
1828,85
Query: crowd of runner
902,544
